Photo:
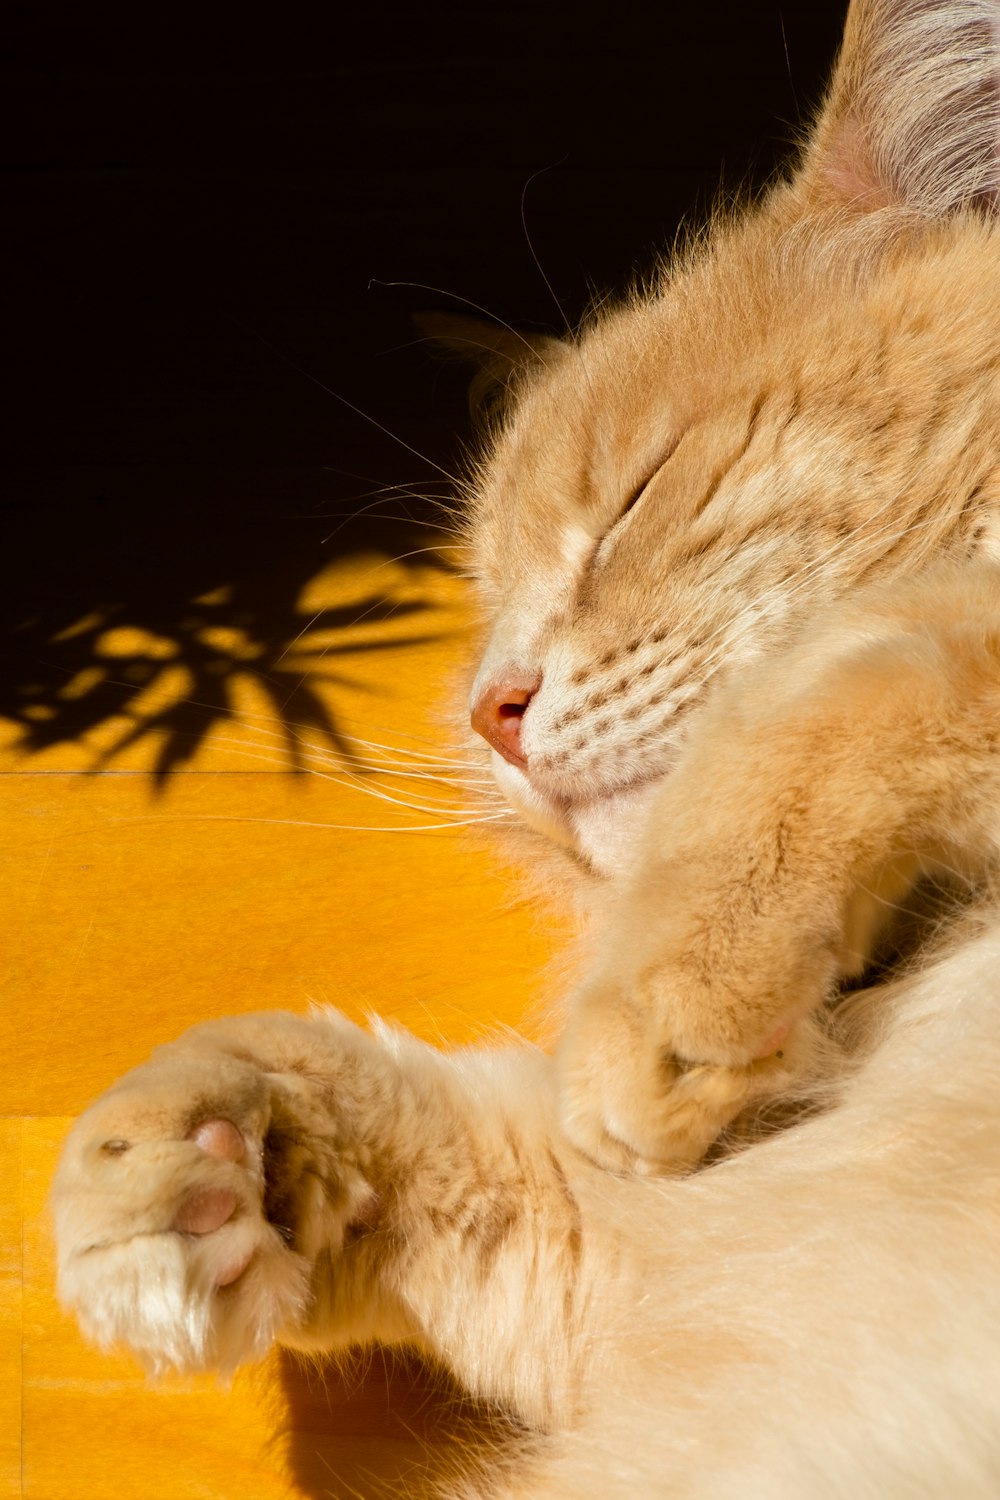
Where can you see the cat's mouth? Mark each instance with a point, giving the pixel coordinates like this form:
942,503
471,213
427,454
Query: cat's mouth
602,830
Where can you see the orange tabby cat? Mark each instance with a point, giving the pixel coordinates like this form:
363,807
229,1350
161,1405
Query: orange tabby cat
737,542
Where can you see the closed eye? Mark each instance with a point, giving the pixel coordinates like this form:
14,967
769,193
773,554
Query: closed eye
636,495
603,545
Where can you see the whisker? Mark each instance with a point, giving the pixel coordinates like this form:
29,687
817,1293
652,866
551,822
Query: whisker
527,239
405,556
396,768
343,399
350,782
282,734
258,721
398,520
415,486
396,492
324,651
457,297
799,579
307,823
307,627
865,539
443,760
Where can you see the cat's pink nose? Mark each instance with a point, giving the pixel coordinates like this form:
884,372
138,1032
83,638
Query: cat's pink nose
498,711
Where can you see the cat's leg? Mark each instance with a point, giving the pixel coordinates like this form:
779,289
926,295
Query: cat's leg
275,1178
812,793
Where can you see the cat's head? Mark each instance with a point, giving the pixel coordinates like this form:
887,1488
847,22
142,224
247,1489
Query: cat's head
789,413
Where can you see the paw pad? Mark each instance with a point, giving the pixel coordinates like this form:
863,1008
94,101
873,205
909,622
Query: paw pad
206,1210
220,1138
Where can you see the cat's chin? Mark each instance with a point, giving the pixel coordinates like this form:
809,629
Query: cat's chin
603,831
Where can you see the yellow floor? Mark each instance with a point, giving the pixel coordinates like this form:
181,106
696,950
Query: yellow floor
138,904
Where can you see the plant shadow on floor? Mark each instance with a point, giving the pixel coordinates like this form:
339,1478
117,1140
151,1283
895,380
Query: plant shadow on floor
142,609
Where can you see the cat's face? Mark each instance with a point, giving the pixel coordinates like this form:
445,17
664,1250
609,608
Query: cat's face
808,405
678,490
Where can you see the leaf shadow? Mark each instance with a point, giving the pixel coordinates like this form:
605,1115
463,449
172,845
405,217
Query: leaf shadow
127,625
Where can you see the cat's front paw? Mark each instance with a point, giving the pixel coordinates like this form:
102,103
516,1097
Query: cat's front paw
631,1104
180,1209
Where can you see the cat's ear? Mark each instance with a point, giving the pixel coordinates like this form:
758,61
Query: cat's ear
912,117
497,353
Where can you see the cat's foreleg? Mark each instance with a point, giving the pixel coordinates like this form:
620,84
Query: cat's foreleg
812,794
272,1178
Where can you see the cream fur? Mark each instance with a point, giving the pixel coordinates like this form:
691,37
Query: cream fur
744,531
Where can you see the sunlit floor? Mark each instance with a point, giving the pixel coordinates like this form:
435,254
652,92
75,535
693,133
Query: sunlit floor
181,840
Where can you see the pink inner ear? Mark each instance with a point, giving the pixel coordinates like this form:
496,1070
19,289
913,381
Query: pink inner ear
850,172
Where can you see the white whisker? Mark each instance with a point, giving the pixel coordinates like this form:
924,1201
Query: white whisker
307,823
457,297
401,767
307,374
353,783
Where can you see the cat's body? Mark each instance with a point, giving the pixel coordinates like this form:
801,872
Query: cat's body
738,549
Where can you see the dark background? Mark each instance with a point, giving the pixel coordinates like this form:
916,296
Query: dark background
207,211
